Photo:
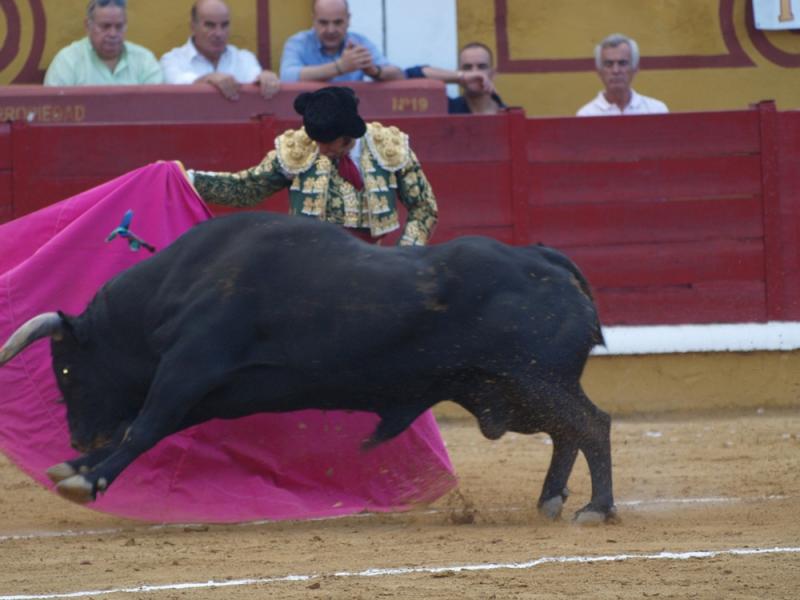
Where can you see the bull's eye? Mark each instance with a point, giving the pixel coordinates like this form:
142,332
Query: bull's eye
65,371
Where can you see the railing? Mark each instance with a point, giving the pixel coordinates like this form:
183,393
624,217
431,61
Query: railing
198,103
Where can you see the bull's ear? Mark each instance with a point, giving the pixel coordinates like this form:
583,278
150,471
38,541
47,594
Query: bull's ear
72,327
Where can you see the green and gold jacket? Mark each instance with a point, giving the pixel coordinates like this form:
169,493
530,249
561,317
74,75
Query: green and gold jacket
389,166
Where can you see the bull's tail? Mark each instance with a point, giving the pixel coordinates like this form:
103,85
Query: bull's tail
597,329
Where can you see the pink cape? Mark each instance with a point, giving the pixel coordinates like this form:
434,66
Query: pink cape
268,466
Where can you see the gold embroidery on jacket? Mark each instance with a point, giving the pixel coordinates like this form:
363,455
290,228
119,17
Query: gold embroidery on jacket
313,206
389,167
389,146
296,151
379,204
309,185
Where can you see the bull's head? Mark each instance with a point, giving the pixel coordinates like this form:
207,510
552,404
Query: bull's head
92,418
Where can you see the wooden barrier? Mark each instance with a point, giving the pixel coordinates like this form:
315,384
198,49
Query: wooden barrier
681,218
202,103
6,174
665,214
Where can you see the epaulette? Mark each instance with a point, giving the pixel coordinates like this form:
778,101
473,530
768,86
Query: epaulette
296,151
389,145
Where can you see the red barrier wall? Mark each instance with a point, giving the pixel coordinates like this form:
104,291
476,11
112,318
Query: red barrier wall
6,174
664,214
681,218
198,103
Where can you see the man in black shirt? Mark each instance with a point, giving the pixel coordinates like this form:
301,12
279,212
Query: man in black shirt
475,75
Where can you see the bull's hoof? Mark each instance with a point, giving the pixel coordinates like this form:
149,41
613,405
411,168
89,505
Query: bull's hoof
60,472
551,509
589,516
77,489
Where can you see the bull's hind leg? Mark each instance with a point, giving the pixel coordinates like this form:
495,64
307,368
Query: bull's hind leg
589,429
554,490
394,422
575,423
595,443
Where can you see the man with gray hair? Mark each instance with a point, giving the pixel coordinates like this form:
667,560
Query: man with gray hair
617,62
103,57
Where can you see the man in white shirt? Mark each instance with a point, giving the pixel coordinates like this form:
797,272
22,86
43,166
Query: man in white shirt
208,57
617,62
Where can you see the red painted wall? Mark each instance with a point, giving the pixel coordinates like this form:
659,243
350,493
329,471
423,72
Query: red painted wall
680,218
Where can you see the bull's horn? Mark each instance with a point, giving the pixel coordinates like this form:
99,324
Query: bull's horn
44,325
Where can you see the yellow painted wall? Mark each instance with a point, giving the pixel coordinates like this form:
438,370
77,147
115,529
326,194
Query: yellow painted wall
160,25
538,29
670,383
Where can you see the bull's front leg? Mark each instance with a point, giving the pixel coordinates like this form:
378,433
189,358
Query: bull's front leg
81,465
169,400
149,428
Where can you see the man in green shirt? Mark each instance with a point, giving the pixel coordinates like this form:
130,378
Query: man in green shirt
103,57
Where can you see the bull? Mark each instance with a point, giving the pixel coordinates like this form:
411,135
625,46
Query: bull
260,312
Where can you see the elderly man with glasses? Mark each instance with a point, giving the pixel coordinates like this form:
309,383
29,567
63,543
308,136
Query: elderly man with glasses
103,57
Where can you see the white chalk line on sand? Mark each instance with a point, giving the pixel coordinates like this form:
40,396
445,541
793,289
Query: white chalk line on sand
400,571
656,503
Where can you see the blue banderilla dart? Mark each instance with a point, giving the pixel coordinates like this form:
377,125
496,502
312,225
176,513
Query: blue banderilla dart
123,231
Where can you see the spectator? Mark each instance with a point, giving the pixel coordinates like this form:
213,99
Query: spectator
103,57
475,76
328,52
207,57
617,61
338,169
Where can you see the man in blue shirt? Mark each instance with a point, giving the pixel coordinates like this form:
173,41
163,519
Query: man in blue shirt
329,52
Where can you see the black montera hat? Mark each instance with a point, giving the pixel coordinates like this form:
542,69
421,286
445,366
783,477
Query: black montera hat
330,113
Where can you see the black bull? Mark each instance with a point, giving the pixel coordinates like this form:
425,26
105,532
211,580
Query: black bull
259,312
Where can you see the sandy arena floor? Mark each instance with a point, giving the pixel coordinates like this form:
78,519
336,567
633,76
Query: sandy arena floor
710,508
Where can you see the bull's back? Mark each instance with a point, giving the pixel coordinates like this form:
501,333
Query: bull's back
320,290
534,285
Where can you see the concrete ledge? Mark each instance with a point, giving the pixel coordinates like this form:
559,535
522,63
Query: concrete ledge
693,381
716,337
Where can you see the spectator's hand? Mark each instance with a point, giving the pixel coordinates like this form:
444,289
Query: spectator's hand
356,58
226,84
269,84
476,81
